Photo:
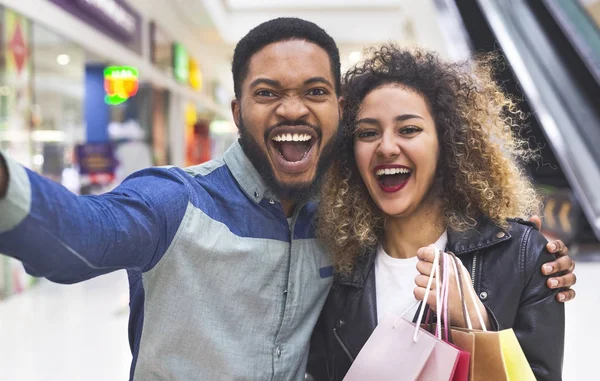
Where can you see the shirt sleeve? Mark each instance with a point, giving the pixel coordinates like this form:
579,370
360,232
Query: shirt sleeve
68,238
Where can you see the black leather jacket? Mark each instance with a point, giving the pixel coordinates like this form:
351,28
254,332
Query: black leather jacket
506,269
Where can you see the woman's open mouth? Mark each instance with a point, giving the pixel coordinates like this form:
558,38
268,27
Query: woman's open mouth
293,147
392,178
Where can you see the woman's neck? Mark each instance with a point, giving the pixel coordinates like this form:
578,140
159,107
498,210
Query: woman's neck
404,236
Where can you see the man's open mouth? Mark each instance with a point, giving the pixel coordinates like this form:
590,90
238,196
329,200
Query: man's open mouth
392,178
293,147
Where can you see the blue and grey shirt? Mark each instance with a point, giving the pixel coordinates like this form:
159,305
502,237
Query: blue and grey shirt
222,287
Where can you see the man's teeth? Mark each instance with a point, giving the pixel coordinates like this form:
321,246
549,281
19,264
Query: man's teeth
292,138
392,171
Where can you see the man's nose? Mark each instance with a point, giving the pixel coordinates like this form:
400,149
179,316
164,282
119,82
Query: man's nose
292,108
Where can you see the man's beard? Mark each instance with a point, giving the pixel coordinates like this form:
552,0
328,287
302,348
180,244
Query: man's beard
296,192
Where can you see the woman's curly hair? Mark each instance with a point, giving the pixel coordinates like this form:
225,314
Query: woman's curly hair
478,173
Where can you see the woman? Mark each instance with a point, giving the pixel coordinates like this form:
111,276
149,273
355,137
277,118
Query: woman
428,156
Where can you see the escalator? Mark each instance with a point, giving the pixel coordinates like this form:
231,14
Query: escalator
552,48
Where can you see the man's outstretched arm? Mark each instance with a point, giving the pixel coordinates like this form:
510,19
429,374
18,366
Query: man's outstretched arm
69,238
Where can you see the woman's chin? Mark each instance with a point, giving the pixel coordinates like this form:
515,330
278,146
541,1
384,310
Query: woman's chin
393,211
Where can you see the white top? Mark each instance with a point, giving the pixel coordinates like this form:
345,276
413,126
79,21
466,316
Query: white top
395,281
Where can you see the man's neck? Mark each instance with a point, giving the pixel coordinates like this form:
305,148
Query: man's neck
288,207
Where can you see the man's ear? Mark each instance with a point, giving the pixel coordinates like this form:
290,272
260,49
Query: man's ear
341,103
235,111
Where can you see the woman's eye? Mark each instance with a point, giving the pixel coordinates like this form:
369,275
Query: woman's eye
366,134
409,130
317,92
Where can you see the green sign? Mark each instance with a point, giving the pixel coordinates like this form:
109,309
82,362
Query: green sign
181,63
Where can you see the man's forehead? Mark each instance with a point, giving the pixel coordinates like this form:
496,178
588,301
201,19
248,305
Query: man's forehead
291,60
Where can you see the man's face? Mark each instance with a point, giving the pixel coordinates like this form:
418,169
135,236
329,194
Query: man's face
288,116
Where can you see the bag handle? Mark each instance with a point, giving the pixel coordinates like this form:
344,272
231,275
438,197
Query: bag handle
439,295
464,274
446,294
461,288
442,297
436,261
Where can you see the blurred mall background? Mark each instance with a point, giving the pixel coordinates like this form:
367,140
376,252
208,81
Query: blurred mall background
92,90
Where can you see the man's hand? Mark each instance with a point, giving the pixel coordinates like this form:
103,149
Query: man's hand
3,178
562,267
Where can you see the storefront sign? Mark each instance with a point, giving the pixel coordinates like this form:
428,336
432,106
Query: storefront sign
195,75
113,14
161,48
181,63
120,83
112,17
97,161
17,86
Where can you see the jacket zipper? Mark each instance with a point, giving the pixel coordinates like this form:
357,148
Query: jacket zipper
474,269
341,343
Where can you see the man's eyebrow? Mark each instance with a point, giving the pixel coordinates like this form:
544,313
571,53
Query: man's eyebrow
323,80
265,81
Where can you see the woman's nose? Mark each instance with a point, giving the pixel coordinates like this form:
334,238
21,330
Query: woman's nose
388,147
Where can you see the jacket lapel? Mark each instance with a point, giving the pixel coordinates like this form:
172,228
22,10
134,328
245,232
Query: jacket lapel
359,315
484,235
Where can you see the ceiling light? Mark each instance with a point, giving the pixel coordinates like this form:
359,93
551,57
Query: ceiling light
354,57
38,160
63,59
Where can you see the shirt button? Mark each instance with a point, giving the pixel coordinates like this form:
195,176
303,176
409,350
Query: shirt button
285,291
278,352
255,194
272,202
339,323
483,295
500,235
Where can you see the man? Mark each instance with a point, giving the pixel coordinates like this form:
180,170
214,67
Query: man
226,277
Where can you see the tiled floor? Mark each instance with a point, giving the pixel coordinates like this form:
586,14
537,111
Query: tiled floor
79,332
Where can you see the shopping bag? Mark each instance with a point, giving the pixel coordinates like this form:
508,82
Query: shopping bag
495,356
461,371
399,350
391,354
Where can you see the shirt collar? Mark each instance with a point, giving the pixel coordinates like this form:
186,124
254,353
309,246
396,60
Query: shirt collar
246,174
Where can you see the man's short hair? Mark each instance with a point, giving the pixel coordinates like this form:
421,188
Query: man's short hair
276,30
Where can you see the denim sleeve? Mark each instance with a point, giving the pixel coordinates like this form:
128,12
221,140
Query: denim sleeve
68,238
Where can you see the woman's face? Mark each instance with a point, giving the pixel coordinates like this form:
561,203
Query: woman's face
396,148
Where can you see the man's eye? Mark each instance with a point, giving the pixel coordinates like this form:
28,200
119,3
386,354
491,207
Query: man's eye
317,92
265,93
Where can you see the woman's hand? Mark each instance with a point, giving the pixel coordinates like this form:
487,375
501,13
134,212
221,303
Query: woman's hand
455,311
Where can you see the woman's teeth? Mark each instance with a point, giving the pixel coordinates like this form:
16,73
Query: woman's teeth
392,171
